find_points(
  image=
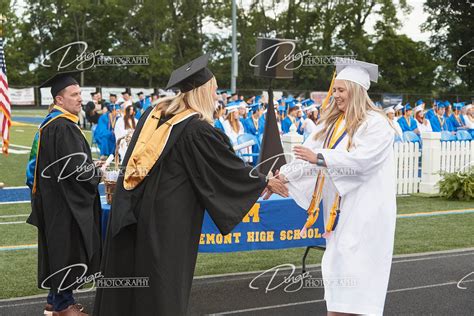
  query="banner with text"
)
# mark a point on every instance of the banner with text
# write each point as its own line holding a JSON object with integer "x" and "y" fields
{"x": 271, "y": 224}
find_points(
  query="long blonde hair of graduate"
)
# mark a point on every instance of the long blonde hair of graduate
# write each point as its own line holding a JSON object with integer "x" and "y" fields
{"x": 200, "y": 100}
{"x": 359, "y": 104}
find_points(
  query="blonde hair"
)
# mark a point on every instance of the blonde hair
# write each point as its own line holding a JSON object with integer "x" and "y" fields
{"x": 359, "y": 104}
{"x": 234, "y": 122}
{"x": 200, "y": 100}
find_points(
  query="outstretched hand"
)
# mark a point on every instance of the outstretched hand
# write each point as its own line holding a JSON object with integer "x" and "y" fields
{"x": 275, "y": 185}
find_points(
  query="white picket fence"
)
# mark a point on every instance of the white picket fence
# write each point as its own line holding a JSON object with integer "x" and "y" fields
{"x": 449, "y": 156}
{"x": 456, "y": 156}
{"x": 407, "y": 167}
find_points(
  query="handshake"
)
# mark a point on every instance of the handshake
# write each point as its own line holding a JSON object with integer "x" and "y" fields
{"x": 276, "y": 184}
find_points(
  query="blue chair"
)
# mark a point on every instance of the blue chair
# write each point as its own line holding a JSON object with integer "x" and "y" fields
{"x": 463, "y": 135}
{"x": 446, "y": 136}
{"x": 398, "y": 139}
{"x": 256, "y": 147}
{"x": 409, "y": 136}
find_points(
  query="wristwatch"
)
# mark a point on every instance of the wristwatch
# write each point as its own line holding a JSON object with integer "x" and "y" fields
{"x": 320, "y": 160}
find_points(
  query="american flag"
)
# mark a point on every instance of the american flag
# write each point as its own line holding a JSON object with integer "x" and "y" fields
{"x": 5, "y": 108}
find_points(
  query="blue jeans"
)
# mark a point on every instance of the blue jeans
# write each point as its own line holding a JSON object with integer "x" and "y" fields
{"x": 60, "y": 301}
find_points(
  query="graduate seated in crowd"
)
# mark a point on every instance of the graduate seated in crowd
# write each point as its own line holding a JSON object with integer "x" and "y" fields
{"x": 309, "y": 124}
{"x": 398, "y": 111}
{"x": 438, "y": 120}
{"x": 233, "y": 127}
{"x": 468, "y": 116}
{"x": 407, "y": 122}
{"x": 142, "y": 104}
{"x": 456, "y": 121}
{"x": 290, "y": 119}
{"x": 422, "y": 123}
{"x": 390, "y": 112}
{"x": 252, "y": 123}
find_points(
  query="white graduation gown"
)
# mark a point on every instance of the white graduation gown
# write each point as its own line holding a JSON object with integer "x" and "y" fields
{"x": 359, "y": 251}
{"x": 423, "y": 128}
{"x": 397, "y": 127}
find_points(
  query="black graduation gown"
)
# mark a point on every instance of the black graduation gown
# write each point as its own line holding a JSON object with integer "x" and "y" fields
{"x": 154, "y": 230}
{"x": 66, "y": 212}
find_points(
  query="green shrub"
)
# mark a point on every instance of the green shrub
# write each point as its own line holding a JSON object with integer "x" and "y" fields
{"x": 458, "y": 185}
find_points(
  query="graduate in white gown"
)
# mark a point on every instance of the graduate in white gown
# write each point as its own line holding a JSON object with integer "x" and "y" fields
{"x": 353, "y": 144}
{"x": 390, "y": 112}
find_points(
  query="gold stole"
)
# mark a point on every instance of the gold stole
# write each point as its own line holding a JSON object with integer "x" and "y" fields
{"x": 255, "y": 123}
{"x": 335, "y": 134}
{"x": 149, "y": 146}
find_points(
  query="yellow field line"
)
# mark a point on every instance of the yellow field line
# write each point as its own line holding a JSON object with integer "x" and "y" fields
{"x": 22, "y": 124}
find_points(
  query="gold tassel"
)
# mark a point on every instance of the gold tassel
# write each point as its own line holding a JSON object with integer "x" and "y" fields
{"x": 328, "y": 96}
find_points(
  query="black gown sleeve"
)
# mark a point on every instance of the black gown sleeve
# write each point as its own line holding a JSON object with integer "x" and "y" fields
{"x": 225, "y": 185}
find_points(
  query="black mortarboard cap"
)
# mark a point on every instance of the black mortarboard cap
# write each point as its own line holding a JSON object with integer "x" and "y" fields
{"x": 192, "y": 75}
{"x": 60, "y": 81}
{"x": 113, "y": 95}
{"x": 139, "y": 93}
{"x": 126, "y": 91}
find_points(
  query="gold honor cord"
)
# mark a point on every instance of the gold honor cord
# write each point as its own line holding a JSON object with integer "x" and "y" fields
{"x": 335, "y": 134}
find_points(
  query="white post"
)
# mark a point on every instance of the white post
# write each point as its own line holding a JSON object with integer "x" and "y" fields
{"x": 289, "y": 140}
{"x": 430, "y": 163}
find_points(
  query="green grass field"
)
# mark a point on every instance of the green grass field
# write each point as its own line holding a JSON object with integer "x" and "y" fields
{"x": 413, "y": 235}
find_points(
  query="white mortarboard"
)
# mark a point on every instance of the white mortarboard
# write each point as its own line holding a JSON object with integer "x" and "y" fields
{"x": 389, "y": 110}
{"x": 418, "y": 109}
{"x": 232, "y": 108}
{"x": 356, "y": 71}
{"x": 399, "y": 106}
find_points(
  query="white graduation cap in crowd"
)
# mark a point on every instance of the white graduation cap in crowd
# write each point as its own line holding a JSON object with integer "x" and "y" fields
{"x": 232, "y": 108}
{"x": 399, "y": 106}
{"x": 357, "y": 71}
{"x": 389, "y": 110}
{"x": 418, "y": 109}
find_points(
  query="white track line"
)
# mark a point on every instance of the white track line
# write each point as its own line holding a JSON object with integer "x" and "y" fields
{"x": 19, "y": 215}
{"x": 15, "y": 202}
{"x": 319, "y": 301}
{"x": 12, "y": 223}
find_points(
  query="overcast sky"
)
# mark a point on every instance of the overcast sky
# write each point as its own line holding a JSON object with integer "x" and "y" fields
{"x": 410, "y": 23}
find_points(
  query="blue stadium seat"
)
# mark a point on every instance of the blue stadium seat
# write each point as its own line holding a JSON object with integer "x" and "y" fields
{"x": 463, "y": 135}
{"x": 446, "y": 136}
{"x": 249, "y": 137}
{"x": 409, "y": 136}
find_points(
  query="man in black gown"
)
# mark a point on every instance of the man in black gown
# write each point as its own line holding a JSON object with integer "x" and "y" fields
{"x": 154, "y": 228}
{"x": 65, "y": 200}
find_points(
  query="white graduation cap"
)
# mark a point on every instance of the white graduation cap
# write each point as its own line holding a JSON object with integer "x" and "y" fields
{"x": 357, "y": 71}
{"x": 232, "y": 108}
{"x": 418, "y": 109}
{"x": 389, "y": 110}
{"x": 243, "y": 104}
{"x": 399, "y": 106}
